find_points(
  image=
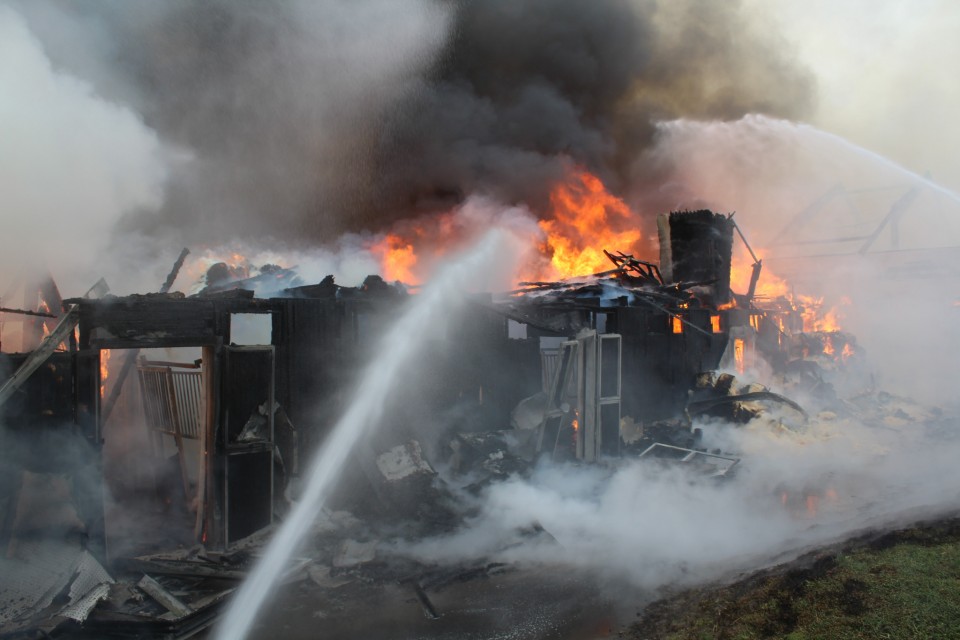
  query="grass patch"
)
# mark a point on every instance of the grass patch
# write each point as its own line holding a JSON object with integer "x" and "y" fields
{"x": 904, "y": 584}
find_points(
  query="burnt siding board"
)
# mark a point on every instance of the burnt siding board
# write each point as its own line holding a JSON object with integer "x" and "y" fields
{"x": 159, "y": 321}
{"x": 47, "y": 395}
{"x": 248, "y": 500}
{"x": 51, "y": 427}
{"x": 64, "y": 391}
{"x": 85, "y": 374}
{"x": 659, "y": 367}
{"x": 308, "y": 354}
{"x": 128, "y": 323}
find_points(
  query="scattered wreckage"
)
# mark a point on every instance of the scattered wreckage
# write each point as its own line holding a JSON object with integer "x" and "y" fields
{"x": 617, "y": 364}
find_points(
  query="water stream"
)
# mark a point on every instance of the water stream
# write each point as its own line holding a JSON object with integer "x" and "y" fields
{"x": 882, "y": 160}
{"x": 436, "y": 301}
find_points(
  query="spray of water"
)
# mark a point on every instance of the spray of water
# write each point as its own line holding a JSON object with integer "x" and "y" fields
{"x": 401, "y": 344}
{"x": 881, "y": 160}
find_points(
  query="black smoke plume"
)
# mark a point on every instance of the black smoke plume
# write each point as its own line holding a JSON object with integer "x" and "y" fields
{"x": 302, "y": 120}
{"x": 523, "y": 89}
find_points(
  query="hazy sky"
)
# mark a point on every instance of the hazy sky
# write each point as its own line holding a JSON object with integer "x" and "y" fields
{"x": 886, "y": 74}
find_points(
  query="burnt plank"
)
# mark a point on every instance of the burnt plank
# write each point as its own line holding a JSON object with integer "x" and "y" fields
{"x": 160, "y": 320}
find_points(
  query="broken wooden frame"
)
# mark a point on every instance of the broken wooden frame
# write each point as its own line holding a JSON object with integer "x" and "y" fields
{"x": 713, "y": 464}
{"x": 584, "y": 396}
{"x": 235, "y": 482}
{"x": 172, "y": 397}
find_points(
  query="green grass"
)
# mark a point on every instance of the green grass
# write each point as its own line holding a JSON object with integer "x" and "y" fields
{"x": 905, "y": 585}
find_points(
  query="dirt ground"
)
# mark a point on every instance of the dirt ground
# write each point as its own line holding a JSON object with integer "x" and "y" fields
{"x": 528, "y": 603}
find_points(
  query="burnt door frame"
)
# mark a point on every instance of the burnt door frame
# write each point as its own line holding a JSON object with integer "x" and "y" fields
{"x": 245, "y": 466}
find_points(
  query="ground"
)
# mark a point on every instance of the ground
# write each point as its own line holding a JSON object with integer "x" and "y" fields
{"x": 882, "y": 585}
{"x": 511, "y": 603}
{"x": 901, "y": 584}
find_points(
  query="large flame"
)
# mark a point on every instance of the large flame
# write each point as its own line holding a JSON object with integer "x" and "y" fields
{"x": 817, "y": 315}
{"x": 586, "y": 219}
{"x": 815, "y": 318}
{"x": 583, "y": 220}
{"x": 770, "y": 286}
{"x": 398, "y": 258}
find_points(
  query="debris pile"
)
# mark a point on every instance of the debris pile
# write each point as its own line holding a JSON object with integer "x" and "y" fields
{"x": 625, "y": 363}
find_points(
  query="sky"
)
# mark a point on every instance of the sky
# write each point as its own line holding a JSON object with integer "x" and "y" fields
{"x": 885, "y": 74}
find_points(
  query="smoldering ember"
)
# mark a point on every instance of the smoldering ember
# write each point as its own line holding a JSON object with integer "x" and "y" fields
{"x": 467, "y": 343}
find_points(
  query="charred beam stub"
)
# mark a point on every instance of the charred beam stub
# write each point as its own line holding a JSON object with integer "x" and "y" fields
{"x": 697, "y": 246}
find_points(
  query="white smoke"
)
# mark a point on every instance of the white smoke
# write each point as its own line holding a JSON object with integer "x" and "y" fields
{"x": 884, "y": 79}
{"x": 658, "y": 525}
{"x": 354, "y": 256}
{"x": 272, "y": 110}
{"x": 71, "y": 163}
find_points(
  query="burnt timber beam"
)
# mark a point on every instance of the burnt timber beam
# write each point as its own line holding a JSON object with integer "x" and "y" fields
{"x": 160, "y": 320}
{"x": 892, "y": 218}
{"x": 25, "y": 312}
{"x": 131, "y": 356}
{"x": 39, "y": 355}
{"x": 169, "y": 601}
{"x": 810, "y": 212}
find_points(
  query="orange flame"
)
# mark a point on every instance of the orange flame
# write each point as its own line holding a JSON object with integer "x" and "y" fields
{"x": 828, "y": 347}
{"x": 583, "y": 220}
{"x": 105, "y": 355}
{"x": 847, "y": 352}
{"x": 769, "y": 286}
{"x": 397, "y": 259}
{"x": 676, "y": 324}
{"x": 586, "y": 219}
{"x": 815, "y": 319}
{"x": 739, "y": 355}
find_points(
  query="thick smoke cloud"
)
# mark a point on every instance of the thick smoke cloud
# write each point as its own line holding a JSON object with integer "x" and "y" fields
{"x": 303, "y": 120}
{"x": 72, "y": 163}
{"x": 276, "y": 104}
{"x": 662, "y": 526}
{"x": 524, "y": 89}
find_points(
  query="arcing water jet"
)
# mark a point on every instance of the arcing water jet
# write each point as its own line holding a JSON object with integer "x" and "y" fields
{"x": 364, "y": 412}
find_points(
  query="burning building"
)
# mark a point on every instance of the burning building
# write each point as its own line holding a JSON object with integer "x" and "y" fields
{"x": 605, "y": 349}
{"x": 586, "y": 368}
{"x": 585, "y": 354}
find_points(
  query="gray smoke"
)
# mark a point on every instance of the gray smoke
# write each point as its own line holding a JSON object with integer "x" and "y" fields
{"x": 525, "y": 89}
{"x": 272, "y": 106}
{"x": 299, "y": 120}
{"x": 662, "y": 525}
{"x": 71, "y": 163}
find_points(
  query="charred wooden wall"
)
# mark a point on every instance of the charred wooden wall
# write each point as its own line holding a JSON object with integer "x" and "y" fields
{"x": 660, "y": 366}
{"x": 50, "y": 427}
